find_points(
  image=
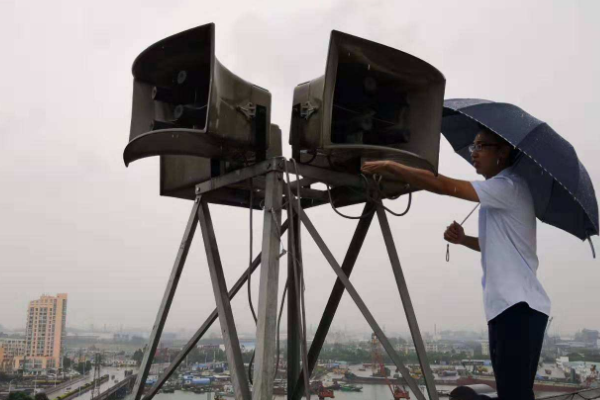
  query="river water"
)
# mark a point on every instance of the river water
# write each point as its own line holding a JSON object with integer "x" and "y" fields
{"x": 370, "y": 392}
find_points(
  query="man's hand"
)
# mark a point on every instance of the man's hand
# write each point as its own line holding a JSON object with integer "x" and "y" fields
{"x": 374, "y": 167}
{"x": 455, "y": 234}
{"x": 379, "y": 168}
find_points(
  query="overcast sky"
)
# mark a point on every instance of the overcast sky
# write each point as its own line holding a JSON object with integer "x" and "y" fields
{"x": 73, "y": 219}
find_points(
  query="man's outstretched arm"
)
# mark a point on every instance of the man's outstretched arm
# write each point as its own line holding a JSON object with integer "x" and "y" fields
{"x": 422, "y": 179}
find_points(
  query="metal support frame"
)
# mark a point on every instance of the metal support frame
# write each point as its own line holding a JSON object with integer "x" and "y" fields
{"x": 412, "y": 384}
{"x": 268, "y": 178}
{"x": 407, "y": 303}
{"x": 269, "y": 282}
{"x": 228, "y": 330}
{"x": 165, "y": 305}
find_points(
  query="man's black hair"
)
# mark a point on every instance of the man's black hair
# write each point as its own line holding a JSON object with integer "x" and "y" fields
{"x": 514, "y": 152}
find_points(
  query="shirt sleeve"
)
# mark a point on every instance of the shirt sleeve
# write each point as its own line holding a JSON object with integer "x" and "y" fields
{"x": 497, "y": 192}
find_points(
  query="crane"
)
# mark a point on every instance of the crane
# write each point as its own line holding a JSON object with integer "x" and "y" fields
{"x": 397, "y": 392}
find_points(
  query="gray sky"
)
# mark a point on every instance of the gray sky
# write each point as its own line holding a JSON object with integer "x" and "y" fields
{"x": 73, "y": 219}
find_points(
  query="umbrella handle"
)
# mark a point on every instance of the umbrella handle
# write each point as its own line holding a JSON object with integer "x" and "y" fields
{"x": 461, "y": 224}
{"x": 592, "y": 247}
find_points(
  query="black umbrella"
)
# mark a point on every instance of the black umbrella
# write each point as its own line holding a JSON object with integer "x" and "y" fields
{"x": 562, "y": 191}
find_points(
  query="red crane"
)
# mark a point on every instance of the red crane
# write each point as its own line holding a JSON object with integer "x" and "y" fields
{"x": 397, "y": 392}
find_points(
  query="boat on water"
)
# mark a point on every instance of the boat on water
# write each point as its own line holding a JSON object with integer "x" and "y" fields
{"x": 349, "y": 377}
{"x": 348, "y": 387}
{"x": 400, "y": 393}
{"x": 538, "y": 386}
{"x": 447, "y": 373}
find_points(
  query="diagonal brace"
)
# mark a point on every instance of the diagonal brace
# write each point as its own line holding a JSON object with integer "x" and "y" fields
{"x": 407, "y": 303}
{"x": 228, "y": 330}
{"x": 336, "y": 296}
{"x": 205, "y": 326}
{"x": 412, "y": 384}
{"x": 165, "y": 305}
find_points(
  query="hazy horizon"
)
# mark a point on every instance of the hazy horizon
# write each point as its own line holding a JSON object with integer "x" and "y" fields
{"x": 75, "y": 220}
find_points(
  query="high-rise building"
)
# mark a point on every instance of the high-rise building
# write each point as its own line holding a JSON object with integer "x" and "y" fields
{"x": 44, "y": 335}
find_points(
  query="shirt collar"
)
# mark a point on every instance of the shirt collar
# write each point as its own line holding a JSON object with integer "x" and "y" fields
{"x": 505, "y": 172}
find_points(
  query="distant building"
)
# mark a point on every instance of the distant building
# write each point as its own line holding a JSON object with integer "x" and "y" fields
{"x": 485, "y": 348}
{"x": 589, "y": 337}
{"x": 44, "y": 335}
{"x": 462, "y": 348}
{"x": 121, "y": 337}
{"x": 431, "y": 347}
{"x": 10, "y": 347}
{"x": 408, "y": 348}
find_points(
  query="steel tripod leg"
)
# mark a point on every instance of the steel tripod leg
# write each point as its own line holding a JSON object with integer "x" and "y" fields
{"x": 228, "y": 330}
{"x": 165, "y": 305}
{"x": 205, "y": 326}
{"x": 293, "y": 311}
{"x": 361, "y": 306}
{"x": 336, "y": 296}
{"x": 266, "y": 329}
{"x": 407, "y": 303}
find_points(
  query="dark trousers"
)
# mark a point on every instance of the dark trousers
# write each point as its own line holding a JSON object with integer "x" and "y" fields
{"x": 516, "y": 337}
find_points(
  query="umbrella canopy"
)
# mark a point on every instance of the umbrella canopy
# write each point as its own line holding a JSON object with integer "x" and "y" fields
{"x": 562, "y": 191}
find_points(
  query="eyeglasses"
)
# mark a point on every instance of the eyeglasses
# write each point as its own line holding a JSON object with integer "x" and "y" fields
{"x": 479, "y": 146}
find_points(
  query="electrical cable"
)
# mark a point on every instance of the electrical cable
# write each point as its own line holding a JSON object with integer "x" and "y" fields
{"x": 279, "y": 326}
{"x": 309, "y": 161}
{"x": 379, "y": 199}
{"x": 398, "y": 214}
{"x": 351, "y": 216}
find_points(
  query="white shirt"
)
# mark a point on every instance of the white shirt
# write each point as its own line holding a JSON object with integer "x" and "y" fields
{"x": 507, "y": 238}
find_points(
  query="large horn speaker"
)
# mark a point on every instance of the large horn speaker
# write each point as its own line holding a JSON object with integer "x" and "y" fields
{"x": 373, "y": 102}
{"x": 185, "y": 103}
{"x": 179, "y": 175}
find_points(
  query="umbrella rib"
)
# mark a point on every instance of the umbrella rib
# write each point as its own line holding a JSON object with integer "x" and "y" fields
{"x": 535, "y": 161}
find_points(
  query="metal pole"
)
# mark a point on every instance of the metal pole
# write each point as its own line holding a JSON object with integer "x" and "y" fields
{"x": 165, "y": 305}
{"x": 361, "y": 305}
{"x": 293, "y": 311}
{"x": 205, "y": 326}
{"x": 335, "y": 297}
{"x": 407, "y": 303}
{"x": 228, "y": 330}
{"x": 267, "y": 299}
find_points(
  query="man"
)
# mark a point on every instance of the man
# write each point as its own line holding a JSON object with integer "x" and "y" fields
{"x": 515, "y": 303}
